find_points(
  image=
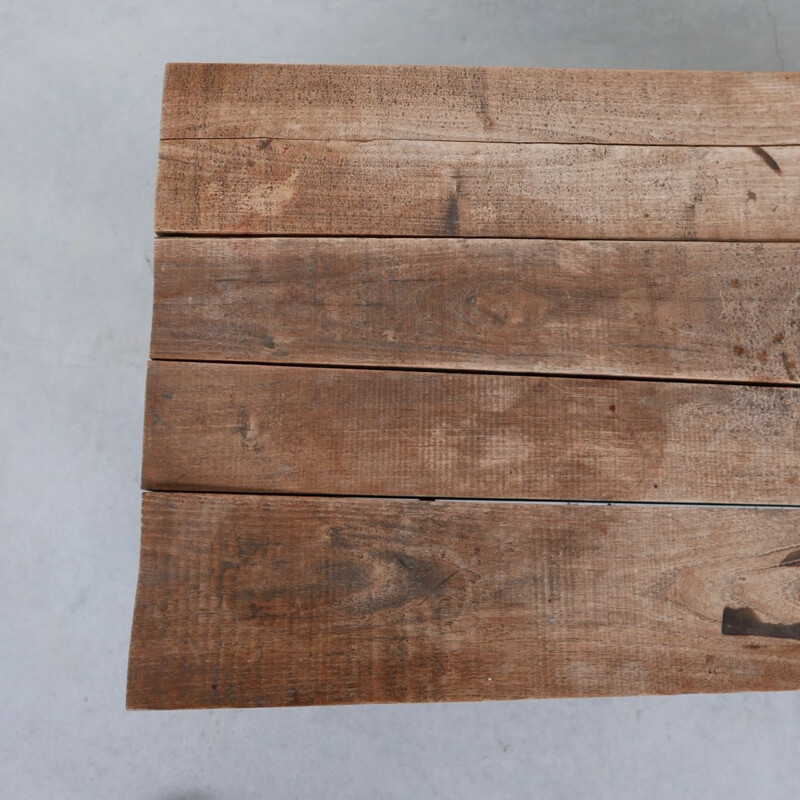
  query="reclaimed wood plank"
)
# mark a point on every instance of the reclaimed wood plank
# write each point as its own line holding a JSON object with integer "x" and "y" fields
{"x": 480, "y": 104}
{"x": 254, "y": 601}
{"x": 263, "y": 599}
{"x": 701, "y": 311}
{"x": 228, "y": 427}
{"x": 414, "y": 188}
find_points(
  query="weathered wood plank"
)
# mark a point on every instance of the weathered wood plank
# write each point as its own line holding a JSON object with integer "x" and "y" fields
{"x": 248, "y": 601}
{"x": 226, "y": 427}
{"x": 408, "y": 188}
{"x": 708, "y": 311}
{"x": 480, "y": 104}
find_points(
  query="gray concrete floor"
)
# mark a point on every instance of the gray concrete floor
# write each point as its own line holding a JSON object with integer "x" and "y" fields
{"x": 80, "y": 87}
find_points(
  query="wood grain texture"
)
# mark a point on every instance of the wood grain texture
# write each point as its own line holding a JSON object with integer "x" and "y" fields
{"x": 708, "y": 311}
{"x": 224, "y": 427}
{"x": 248, "y": 601}
{"x": 610, "y": 224}
{"x": 414, "y": 188}
{"x": 480, "y": 104}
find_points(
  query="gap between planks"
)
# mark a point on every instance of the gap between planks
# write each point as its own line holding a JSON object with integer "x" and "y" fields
{"x": 507, "y": 501}
{"x": 508, "y": 373}
{"x": 218, "y": 235}
{"x": 755, "y": 146}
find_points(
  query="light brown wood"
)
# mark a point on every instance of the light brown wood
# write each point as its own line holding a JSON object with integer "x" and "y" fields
{"x": 710, "y": 311}
{"x": 247, "y": 601}
{"x": 225, "y": 427}
{"x": 411, "y": 188}
{"x": 480, "y": 104}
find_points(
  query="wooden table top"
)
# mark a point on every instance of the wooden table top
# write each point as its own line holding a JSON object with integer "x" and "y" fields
{"x": 471, "y": 384}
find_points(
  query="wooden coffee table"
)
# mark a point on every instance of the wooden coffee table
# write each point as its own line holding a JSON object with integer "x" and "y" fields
{"x": 471, "y": 384}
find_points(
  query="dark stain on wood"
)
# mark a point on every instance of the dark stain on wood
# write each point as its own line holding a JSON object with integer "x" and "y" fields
{"x": 745, "y": 622}
{"x": 351, "y": 585}
{"x": 768, "y": 159}
{"x": 246, "y": 428}
{"x": 788, "y": 365}
{"x": 451, "y": 219}
{"x": 791, "y": 560}
{"x": 482, "y": 93}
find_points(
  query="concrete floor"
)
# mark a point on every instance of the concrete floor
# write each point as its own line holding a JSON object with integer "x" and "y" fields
{"x": 80, "y": 87}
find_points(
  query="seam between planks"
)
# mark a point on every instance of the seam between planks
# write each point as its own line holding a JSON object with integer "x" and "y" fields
{"x": 456, "y": 371}
{"x": 167, "y": 234}
{"x": 372, "y": 139}
{"x": 500, "y": 500}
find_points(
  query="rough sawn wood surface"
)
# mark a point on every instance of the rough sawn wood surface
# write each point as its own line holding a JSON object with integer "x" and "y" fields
{"x": 471, "y": 384}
